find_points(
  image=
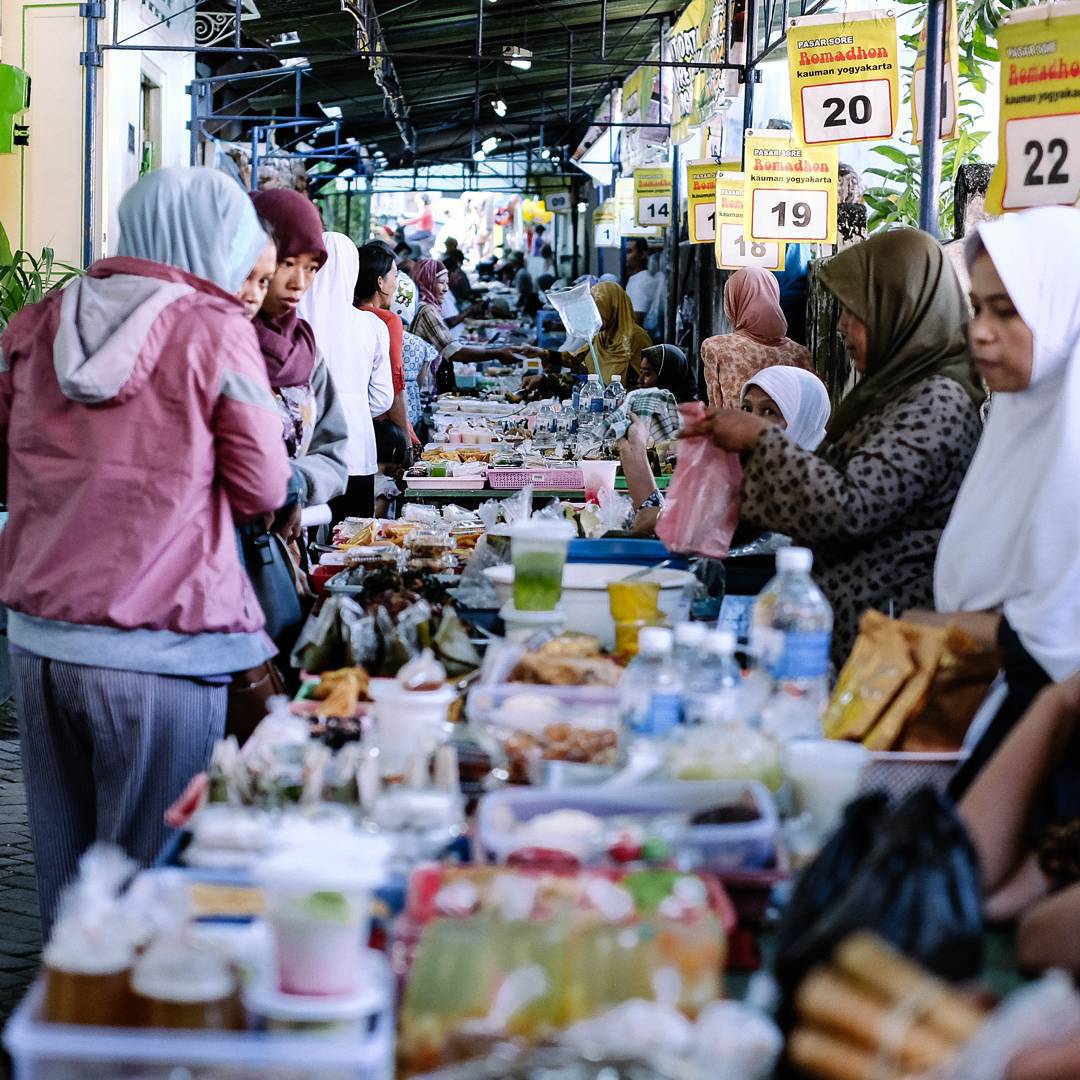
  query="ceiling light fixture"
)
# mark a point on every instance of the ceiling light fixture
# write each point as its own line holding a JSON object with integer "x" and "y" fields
{"x": 517, "y": 57}
{"x": 479, "y": 155}
{"x": 499, "y": 107}
{"x": 582, "y": 207}
{"x": 295, "y": 62}
{"x": 489, "y": 143}
{"x": 545, "y": 153}
{"x": 290, "y": 38}
{"x": 331, "y": 112}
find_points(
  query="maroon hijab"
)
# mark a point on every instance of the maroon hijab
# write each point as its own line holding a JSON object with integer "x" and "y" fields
{"x": 288, "y": 342}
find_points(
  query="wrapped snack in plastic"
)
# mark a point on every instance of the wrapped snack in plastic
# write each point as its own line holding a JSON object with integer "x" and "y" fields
{"x": 734, "y": 1042}
{"x": 224, "y": 760}
{"x": 421, "y": 515}
{"x": 475, "y": 589}
{"x": 1039, "y": 1014}
{"x": 341, "y": 776}
{"x": 635, "y": 1029}
{"x": 454, "y": 647}
{"x": 423, "y": 673}
{"x": 403, "y": 640}
{"x": 518, "y": 507}
{"x": 316, "y": 759}
{"x": 92, "y": 946}
{"x": 322, "y": 645}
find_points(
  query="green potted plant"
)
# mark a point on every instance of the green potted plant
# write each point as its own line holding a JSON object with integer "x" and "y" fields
{"x": 26, "y": 279}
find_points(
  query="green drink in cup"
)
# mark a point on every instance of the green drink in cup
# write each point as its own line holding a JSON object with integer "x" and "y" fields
{"x": 538, "y": 552}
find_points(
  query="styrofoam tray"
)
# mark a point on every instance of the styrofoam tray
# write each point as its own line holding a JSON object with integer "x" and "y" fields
{"x": 743, "y": 846}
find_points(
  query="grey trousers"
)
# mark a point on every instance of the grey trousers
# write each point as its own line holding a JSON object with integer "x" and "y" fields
{"x": 105, "y": 752}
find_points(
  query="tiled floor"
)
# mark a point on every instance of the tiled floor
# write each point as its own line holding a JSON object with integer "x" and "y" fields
{"x": 20, "y": 939}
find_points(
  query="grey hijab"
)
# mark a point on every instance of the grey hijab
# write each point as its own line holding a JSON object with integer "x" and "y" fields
{"x": 197, "y": 219}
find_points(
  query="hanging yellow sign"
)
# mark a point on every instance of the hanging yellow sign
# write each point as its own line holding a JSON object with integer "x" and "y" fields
{"x": 627, "y": 210}
{"x": 683, "y": 46}
{"x": 845, "y": 77}
{"x": 652, "y": 197}
{"x": 606, "y": 224}
{"x": 790, "y": 190}
{"x": 950, "y": 98}
{"x": 701, "y": 201}
{"x": 733, "y": 250}
{"x": 1039, "y": 142}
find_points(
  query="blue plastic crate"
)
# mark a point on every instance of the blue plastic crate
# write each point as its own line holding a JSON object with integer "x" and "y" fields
{"x": 620, "y": 550}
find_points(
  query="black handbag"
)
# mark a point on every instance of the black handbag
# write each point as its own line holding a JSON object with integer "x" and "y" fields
{"x": 270, "y": 570}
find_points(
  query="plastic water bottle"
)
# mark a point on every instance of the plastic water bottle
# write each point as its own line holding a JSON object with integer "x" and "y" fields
{"x": 565, "y": 424}
{"x": 544, "y": 430}
{"x": 614, "y": 395}
{"x": 712, "y": 691}
{"x": 591, "y": 409}
{"x": 651, "y": 689}
{"x": 790, "y": 634}
{"x": 689, "y": 651}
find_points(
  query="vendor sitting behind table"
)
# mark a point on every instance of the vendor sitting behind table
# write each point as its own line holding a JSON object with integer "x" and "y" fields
{"x": 666, "y": 381}
{"x": 618, "y": 344}
{"x": 792, "y": 400}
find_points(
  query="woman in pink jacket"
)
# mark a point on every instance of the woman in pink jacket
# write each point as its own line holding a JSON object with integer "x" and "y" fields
{"x": 138, "y": 424}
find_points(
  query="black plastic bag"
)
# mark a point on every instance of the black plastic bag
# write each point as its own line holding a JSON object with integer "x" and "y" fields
{"x": 916, "y": 884}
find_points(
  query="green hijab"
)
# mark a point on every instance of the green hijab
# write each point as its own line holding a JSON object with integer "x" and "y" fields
{"x": 901, "y": 285}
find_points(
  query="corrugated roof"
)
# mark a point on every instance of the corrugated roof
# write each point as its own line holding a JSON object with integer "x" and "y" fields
{"x": 432, "y": 45}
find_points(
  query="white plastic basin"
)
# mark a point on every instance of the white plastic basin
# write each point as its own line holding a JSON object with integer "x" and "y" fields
{"x": 585, "y": 597}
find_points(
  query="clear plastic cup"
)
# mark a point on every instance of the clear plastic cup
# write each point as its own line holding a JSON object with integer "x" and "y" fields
{"x": 538, "y": 552}
{"x": 824, "y": 775}
{"x": 599, "y": 476}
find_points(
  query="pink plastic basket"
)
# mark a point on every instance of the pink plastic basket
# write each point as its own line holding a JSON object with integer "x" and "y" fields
{"x": 563, "y": 479}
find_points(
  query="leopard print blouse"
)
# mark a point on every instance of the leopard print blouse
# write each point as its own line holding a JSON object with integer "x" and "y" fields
{"x": 873, "y": 506}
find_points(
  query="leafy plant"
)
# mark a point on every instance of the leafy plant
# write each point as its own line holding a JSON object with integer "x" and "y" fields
{"x": 25, "y": 280}
{"x": 895, "y": 200}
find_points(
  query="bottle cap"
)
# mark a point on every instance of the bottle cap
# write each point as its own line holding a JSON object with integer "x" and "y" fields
{"x": 794, "y": 560}
{"x": 655, "y": 640}
{"x": 722, "y": 641}
{"x": 594, "y": 378}
{"x": 690, "y": 633}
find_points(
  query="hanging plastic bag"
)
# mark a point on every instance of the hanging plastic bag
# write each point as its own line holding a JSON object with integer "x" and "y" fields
{"x": 911, "y": 877}
{"x": 578, "y": 311}
{"x": 701, "y": 509}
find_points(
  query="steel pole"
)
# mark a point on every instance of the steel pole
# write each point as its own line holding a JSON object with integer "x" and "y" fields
{"x": 673, "y": 248}
{"x": 929, "y": 200}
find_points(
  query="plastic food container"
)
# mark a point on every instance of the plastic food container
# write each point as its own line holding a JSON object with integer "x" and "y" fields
{"x": 39, "y": 1050}
{"x": 584, "y": 594}
{"x": 743, "y": 846}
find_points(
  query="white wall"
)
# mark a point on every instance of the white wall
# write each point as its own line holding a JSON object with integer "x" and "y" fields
{"x": 121, "y": 99}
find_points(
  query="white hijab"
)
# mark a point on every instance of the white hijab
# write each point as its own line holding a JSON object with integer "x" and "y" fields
{"x": 1013, "y": 540}
{"x": 355, "y": 345}
{"x": 802, "y": 399}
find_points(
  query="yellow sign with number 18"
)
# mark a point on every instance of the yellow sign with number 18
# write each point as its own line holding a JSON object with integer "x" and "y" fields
{"x": 1039, "y": 143}
{"x": 733, "y": 250}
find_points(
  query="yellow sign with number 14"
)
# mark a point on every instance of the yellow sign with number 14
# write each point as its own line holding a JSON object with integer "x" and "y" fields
{"x": 733, "y": 250}
{"x": 1039, "y": 143}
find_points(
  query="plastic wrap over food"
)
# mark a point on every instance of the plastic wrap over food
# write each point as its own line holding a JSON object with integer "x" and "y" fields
{"x": 1042, "y": 1013}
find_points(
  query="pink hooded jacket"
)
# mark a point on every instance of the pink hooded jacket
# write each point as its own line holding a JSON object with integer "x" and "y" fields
{"x": 138, "y": 422}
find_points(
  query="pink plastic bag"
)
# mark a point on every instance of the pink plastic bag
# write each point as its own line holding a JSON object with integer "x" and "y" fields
{"x": 701, "y": 509}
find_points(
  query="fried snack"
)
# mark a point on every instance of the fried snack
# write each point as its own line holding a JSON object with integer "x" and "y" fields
{"x": 340, "y": 691}
{"x": 868, "y": 960}
{"x": 964, "y": 675}
{"x": 458, "y": 456}
{"x": 397, "y": 531}
{"x": 827, "y": 1056}
{"x": 879, "y": 666}
{"x": 927, "y": 646}
{"x": 542, "y": 670}
{"x": 209, "y": 900}
{"x": 571, "y": 645}
{"x": 364, "y": 537}
{"x": 826, "y": 1000}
